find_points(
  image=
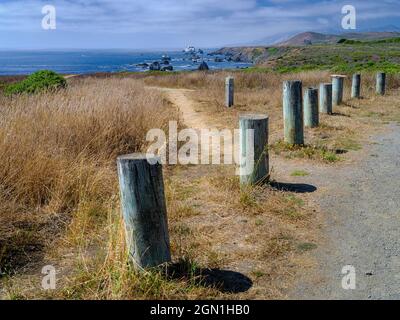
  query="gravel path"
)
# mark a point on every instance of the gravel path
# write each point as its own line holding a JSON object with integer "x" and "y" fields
{"x": 361, "y": 205}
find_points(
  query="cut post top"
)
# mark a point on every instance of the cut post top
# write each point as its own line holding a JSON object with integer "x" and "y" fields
{"x": 253, "y": 116}
{"x": 338, "y": 76}
{"x": 229, "y": 81}
{"x": 326, "y": 84}
{"x": 381, "y": 75}
{"x": 312, "y": 89}
{"x": 292, "y": 82}
{"x": 139, "y": 157}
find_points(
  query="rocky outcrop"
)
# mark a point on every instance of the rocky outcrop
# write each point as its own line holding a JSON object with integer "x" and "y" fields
{"x": 155, "y": 66}
{"x": 167, "y": 68}
{"x": 248, "y": 54}
{"x": 203, "y": 66}
{"x": 241, "y": 54}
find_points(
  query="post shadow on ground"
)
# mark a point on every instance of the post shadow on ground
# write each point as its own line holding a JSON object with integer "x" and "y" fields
{"x": 352, "y": 105}
{"x": 226, "y": 281}
{"x": 293, "y": 187}
{"x": 340, "y": 114}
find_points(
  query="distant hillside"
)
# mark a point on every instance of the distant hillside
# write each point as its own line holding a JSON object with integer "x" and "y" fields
{"x": 341, "y": 53}
{"x": 259, "y": 54}
{"x": 309, "y": 38}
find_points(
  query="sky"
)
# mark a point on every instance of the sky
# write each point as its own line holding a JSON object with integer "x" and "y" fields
{"x": 175, "y": 24}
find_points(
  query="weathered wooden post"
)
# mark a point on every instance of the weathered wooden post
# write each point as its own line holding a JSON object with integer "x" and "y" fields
{"x": 254, "y": 158}
{"x": 311, "y": 115}
{"x": 381, "y": 83}
{"x": 293, "y": 112}
{"x": 229, "y": 92}
{"x": 144, "y": 210}
{"x": 356, "y": 86}
{"x": 325, "y": 98}
{"x": 337, "y": 89}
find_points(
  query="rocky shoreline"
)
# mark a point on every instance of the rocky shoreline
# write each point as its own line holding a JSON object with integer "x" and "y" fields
{"x": 253, "y": 55}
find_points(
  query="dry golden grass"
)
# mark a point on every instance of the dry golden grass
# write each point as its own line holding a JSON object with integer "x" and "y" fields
{"x": 59, "y": 200}
{"x": 58, "y": 172}
{"x": 255, "y": 231}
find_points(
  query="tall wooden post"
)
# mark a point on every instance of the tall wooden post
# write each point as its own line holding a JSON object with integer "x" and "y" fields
{"x": 381, "y": 83}
{"x": 254, "y": 166}
{"x": 144, "y": 210}
{"x": 311, "y": 115}
{"x": 356, "y": 86}
{"x": 325, "y": 98}
{"x": 337, "y": 89}
{"x": 293, "y": 112}
{"x": 229, "y": 92}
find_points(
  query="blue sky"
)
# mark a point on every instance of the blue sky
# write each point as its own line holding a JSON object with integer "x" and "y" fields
{"x": 150, "y": 24}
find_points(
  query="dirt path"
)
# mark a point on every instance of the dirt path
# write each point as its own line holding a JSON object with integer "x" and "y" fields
{"x": 194, "y": 119}
{"x": 361, "y": 205}
{"x": 71, "y": 76}
{"x": 190, "y": 116}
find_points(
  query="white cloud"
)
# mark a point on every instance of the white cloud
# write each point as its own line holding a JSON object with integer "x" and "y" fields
{"x": 230, "y": 21}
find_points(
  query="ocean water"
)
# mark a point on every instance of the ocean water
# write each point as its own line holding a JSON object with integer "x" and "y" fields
{"x": 90, "y": 61}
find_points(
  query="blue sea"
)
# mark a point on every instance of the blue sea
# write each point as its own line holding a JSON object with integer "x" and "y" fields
{"x": 91, "y": 61}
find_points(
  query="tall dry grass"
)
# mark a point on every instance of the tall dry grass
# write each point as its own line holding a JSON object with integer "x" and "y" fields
{"x": 59, "y": 199}
{"x": 256, "y": 79}
{"x": 60, "y": 205}
{"x": 58, "y": 153}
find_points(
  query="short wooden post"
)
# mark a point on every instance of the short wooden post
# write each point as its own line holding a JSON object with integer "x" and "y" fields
{"x": 356, "y": 86}
{"x": 229, "y": 92}
{"x": 381, "y": 83}
{"x": 254, "y": 166}
{"x": 293, "y": 112}
{"x": 311, "y": 115}
{"x": 337, "y": 89}
{"x": 144, "y": 210}
{"x": 325, "y": 98}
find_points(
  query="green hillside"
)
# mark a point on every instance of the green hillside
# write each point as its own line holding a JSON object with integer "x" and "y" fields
{"x": 346, "y": 55}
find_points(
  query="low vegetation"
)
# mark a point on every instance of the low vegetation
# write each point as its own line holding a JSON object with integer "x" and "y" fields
{"x": 299, "y": 173}
{"x": 305, "y": 151}
{"x": 44, "y": 80}
{"x": 347, "y": 57}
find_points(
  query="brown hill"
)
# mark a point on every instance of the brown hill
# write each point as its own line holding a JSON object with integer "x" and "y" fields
{"x": 308, "y": 38}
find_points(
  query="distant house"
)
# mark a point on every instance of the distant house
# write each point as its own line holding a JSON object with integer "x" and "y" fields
{"x": 190, "y": 49}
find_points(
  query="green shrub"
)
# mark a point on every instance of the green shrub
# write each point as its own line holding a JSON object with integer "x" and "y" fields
{"x": 273, "y": 51}
{"x": 349, "y": 41}
{"x": 36, "y": 82}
